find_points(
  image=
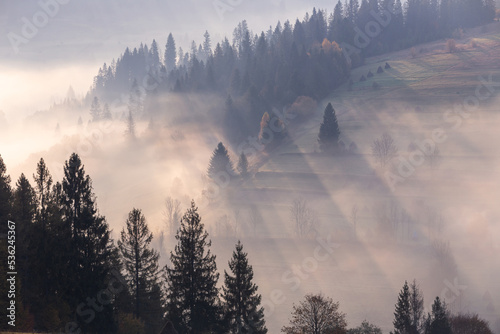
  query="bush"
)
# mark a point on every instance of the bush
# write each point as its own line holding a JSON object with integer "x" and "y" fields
{"x": 362, "y": 78}
{"x": 387, "y": 66}
{"x": 469, "y": 323}
{"x": 380, "y": 70}
{"x": 473, "y": 43}
{"x": 370, "y": 74}
{"x": 304, "y": 106}
{"x": 375, "y": 85}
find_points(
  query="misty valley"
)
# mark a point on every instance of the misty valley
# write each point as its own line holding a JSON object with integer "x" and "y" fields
{"x": 300, "y": 167}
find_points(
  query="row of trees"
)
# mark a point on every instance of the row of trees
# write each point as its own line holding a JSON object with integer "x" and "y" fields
{"x": 72, "y": 275}
{"x": 318, "y": 314}
{"x": 255, "y": 73}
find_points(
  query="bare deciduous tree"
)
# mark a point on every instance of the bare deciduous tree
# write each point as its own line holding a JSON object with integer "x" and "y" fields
{"x": 303, "y": 217}
{"x": 393, "y": 220}
{"x": 316, "y": 315}
{"x": 384, "y": 149}
{"x": 172, "y": 214}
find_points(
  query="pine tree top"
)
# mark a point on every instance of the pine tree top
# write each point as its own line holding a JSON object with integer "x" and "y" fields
{"x": 329, "y": 132}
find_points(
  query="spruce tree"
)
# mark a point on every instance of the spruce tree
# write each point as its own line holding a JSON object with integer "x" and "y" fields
{"x": 242, "y": 303}
{"x": 402, "y": 315}
{"x": 329, "y": 131}
{"x": 220, "y": 163}
{"x": 171, "y": 53}
{"x": 48, "y": 253}
{"x": 416, "y": 308}
{"x": 154, "y": 56}
{"x": 24, "y": 210}
{"x": 243, "y": 165}
{"x": 141, "y": 265}
{"x": 5, "y": 211}
{"x": 192, "y": 300}
{"x": 91, "y": 250}
{"x": 438, "y": 322}
{"x": 5, "y": 197}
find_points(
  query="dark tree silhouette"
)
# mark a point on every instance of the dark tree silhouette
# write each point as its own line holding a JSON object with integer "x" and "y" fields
{"x": 141, "y": 266}
{"x": 329, "y": 131}
{"x": 316, "y": 315}
{"x": 437, "y": 322}
{"x": 220, "y": 163}
{"x": 242, "y": 303}
{"x": 193, "y": 304}
{"x": 402, "y": 314}
{"x": 91, "y": 249}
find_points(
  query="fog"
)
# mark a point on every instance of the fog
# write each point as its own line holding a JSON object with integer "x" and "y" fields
{"x": 447, "y": 235}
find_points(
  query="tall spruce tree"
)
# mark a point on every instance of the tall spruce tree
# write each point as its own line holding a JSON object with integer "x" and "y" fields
{"x": 416, "y": 308}
{"x": 48, "y": 255}
{"x": 5, "y": 197}
{"x": 91, "y": 252}
{"x": 329, "y": 131}
{"x": 23, "y": 210}
{"x": 141, "y": 267}
{"x": 171, "y": 53}
{"x": 220, "y": 163}
{"x": 5, "y": 211}
{"x": 402, "y": 315}
{"x": 193, "y": 304}
{"x": 242, "y": 303}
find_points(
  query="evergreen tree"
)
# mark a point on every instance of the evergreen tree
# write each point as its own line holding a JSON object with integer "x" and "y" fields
{"x": 24, "y": 203}
{"x": 5, "y": 212}
{"x": 91, "y": 250}
{"x": 329, "y": 131}
{"x": 171, "y": 53}
{"x": 242, "y": 303}
{"x": 243, "y": 165}
{"x": 402, "y": 315}
{"x": 47, "y": 254}
{"x": 192, "y": 300}
{"x": 43, "y": 184}
{"x": 95, "y": 110}
{"x": 154, "y": 56}
{"x": 141, "y": 267}
{"x": 207, "y": 45}
{"x": 24, "y": 211}
{"x": 220, "y": 163}
{"x": 416, "y": 308}
{"x": 5, "y": 197}
{"x": 438, "y": 322}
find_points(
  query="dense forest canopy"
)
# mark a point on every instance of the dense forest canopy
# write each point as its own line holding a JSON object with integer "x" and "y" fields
{"x": 309, "y": 57}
